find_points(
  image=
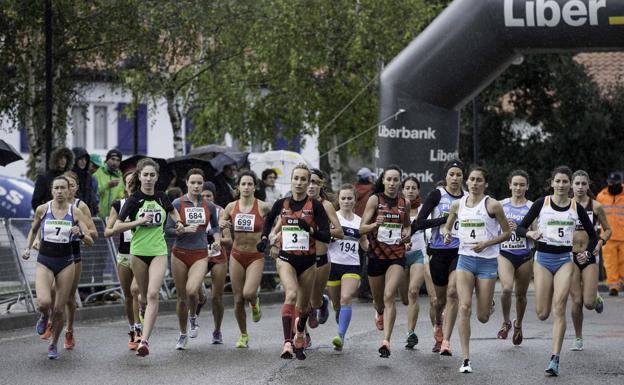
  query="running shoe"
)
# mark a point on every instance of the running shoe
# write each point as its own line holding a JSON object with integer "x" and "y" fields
{"x": 201, "y": 304}
{"x": 445, "y": 348}
{"x": 138, "y": 333}
{"x": 300, "y": 354}
{"x": 308, "y": 341}
{"x": 299, "y": 341}
{"x": 182, "y": 342}
{"x": 578, "y": 345}
{"x": 256, "y": 312}
{"x": 599, "y": 304}
{"x": 438, "y": 337}
{"x": 504, "y": 330}
{"x": 48, "y": 332}
{"x": 492, "y": 307}
{"x": 466, "y": 367}
{"x": 379, "y": 321}
{"x": 287, "y": 352}
{"x": 613, "y": 292}
{"x": 517, "y": 334}
{"x": 52, "y": 352}
{"x": 384, "y": 350}
{"x": 324, "y": 310}
{"x": 143, "y": 349}
{"x": 553, "y": 367}
{"x": 338, "y": 343}
{"x": 243, "y": 341}
{"x": 42, "y": 324}
{"x": 217, "y": 338}
{"x": 412, "y": 340}
{"x": 69, "y": 340}
{"x": 194, "y": 327}
{"x": 313, "y": 318}
{"x": 132, "y": 344}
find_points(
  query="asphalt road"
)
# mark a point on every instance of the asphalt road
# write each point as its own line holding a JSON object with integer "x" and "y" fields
{"x": 101, "y": 355}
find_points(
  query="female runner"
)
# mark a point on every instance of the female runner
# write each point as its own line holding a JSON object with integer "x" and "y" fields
{"x": 58, "y": 221}
{"x": 344, "y": 277}
{"x": 479, "y": 219}
{"x": 584, "y": 286}
{"x": 189, "y": 261}
{"x": 302, "y": 220}
{"x": 245, "y": 217}
{"x": 515, "y": 262}
{"x": 124, "y": 268}
{"x": 386, "y": 221}
{"x": 556, "y": 216}
{"x": 147, "y": 210}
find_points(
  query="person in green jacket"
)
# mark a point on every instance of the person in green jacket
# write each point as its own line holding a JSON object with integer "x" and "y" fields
{"x": 110, "y": 182}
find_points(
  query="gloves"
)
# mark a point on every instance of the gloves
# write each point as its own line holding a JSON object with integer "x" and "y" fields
{"x": 352, "y": 233}
{"x": 210, "y": 238}
{"x": 304, "y": 225}
{"x": 262, "y": 245}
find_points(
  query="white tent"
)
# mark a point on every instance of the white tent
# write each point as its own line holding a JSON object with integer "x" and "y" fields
{"x": 282, "y": 161}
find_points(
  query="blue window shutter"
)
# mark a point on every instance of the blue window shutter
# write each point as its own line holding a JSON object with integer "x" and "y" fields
{"x": 125, "y": 130}
{"x": 188, "y": 128}
{"x": 23, "y": 140}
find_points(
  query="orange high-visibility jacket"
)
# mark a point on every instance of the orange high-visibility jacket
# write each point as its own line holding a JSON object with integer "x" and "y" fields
{"x": 614, "y": 208}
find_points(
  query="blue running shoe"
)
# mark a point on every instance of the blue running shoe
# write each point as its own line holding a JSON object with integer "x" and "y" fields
{"x": 553, "y": 367}
{"x": 42, "y": 324}
{"x": 323, "y": 313}
{"x": 52, "y": 352}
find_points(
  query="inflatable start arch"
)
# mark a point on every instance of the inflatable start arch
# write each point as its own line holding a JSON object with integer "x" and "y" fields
{"x": 463, "y": 50}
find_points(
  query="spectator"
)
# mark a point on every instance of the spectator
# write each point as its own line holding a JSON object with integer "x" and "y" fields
{"x": 94, "y": 165}
{"x": 612, "y": 199}
{"x": 174, "y": 193}
{"x": 364, "y": 187}
{"x": 61, "y": 160}
{"x": 85, "y": 180}
{"x": 225, "y": 183}
{"x": 268, "y": 192}
{"x": 110, "y": 182}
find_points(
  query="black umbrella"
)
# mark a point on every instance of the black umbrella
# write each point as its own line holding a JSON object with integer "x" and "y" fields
{"x": 220, "y": 161}
{"x": 165, "y": 176}
{"x": 208, "y": 151}
{"x": 8, "y": 153}
{"x": 181, "y": 164}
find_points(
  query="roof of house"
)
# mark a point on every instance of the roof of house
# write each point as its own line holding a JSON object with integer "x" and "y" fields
{"x": 607, "y": 68}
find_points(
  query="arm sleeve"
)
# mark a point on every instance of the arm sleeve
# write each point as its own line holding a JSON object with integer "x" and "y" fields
{"x": 170, "y": 225}
{"x": 528, "y": 219}
{"x": 270, "y": 218}
{"x": 129, "y": 210}
{"x": 214, "y": 218}
{"x": 430, "y": 203}
{"x": 322, "y": 222}
{"x": 588, "y": 226}
{"x": 166, "y": 203}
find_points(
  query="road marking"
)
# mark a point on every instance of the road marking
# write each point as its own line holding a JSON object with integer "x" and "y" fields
{"x": 616, "y": 20}
{"x": 7, "y": 339}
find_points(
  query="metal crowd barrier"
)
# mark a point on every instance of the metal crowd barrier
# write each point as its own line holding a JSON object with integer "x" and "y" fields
{"x": 14, "y": 287}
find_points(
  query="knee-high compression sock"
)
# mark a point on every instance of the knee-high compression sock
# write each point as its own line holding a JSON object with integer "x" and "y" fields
{"x": 344, "y": 319}
{"x": 288, "y": 312}
{"x": 303, "y": 318}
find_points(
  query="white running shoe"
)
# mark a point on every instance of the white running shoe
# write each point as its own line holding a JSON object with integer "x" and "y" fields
{"x": 182, "y": 342}
{"x": 466, "y": 367}
{"x": 194, "y": 327}
{"x": 578, "y": 345}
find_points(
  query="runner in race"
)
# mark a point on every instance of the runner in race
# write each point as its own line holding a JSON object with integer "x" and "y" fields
{"x": 303, "y": 221}
{"x": 557, "y": 216}
{"x": 416, "y": 264}
{"x": 58, "y": 221}
{"x": 245, "y": 218}
{"x": 584, "y": 286}
{"x": 124, "y": 266}
{"x": 515, "y": 262}
{"x": 443, "y": 256}
{"x": 189, "y": 262}
{"x": 148, "y": 210}
{"x": 386, "y": 222}
{"x": 71, "y": 176}
{"x": 479, "y": 218}
{"x": 319, "y": 302}
{"x": 344, "y": 276}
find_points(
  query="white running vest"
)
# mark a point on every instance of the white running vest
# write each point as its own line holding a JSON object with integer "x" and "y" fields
{"x": 345, "y": 251}
{"x": 418, "y": 238}
{"x": 557, "y": 227}
{"x": 476, "y": 225}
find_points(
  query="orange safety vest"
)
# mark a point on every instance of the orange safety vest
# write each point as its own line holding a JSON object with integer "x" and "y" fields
{"x": 614, "y": 209}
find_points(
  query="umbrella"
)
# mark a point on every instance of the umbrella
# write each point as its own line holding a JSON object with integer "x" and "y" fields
{"x": 181, "y": 164}
{"x": 281, "y": 161}
{"x": 220, "y": 161}
{"x": 208, "y": 151}
{"x": 165, "y": 176}
{"x": 15, "y": 202}
{"x": 8, "y": 153}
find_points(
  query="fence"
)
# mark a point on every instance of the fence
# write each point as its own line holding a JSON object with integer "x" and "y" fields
{"x": 14, "y": 288}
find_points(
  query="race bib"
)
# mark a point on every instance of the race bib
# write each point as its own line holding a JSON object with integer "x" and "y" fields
{"x": 349, "y": 248}
{"x": 515, "y": 242}
{"x": 212, "y": 252}
{"x": 195, "y": 215}
{"x": 560, "y": 232}
{"x": 127, "y": 236}
{"x": 57, "y": 231}
{"x": 389, "y": 233}
{"x": 157, "y": 216}
{"x": 455, "y": 230}
{"x": 295, "y": 239}
{"x": 472, "y": 232}
{"x": 244, "y": 222}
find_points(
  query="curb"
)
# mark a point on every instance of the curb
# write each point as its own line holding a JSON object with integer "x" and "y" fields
{"x": 116, "y": 311}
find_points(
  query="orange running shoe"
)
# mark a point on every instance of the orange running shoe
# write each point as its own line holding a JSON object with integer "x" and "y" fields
{"x": 69, "y": 340}
{"x": 379, "y": 321}
{"x": 133, "y": 344}
{"x": 445, "y": 348}
{"x": 299, "y": 336}
{"x": 287, "y": 352}
{"x": 48, "y": 332}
